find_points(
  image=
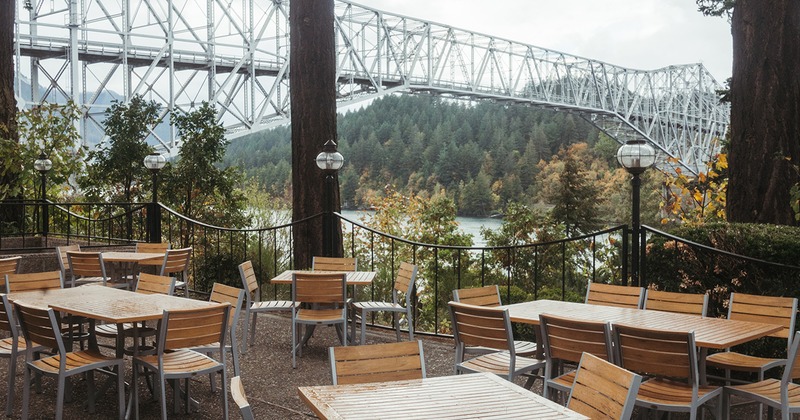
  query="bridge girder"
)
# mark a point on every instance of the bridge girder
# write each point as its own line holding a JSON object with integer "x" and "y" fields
{"x": 235, "y": 54}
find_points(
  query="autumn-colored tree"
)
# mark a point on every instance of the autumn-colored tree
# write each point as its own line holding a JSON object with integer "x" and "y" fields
{"x": 696, "y": 199}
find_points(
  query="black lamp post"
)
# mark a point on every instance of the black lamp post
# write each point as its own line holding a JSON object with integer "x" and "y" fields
{"x": 43, "y": 164}
{"x": 330, "y": 161}
{"x": 154, "y": 162}
{"x": 636, "y": 156}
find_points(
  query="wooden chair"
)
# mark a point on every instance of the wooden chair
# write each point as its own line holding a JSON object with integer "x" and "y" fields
{"x": 603, "y": 390}
{"x": 148, "y": 284}
{"x": 767, "y": 309}
{"x": 9, "y": 266}
{"x": 489, "y": 296}
{"x": 377, "y": 363}
{"x": 42, "y": 326}
{"x": 490, "y": 328}
{"x": 669, "y": 359}
{"x": 564, "y": 341}
{"x": 154, "y": 247}
{"x": 783, "y": 394}
{"x": 253, "y": 304}
{"x": 34, "y": 281}
{"x": 240, "y": 398}
{"x": 63, "y": 262}
{"x": 403, "y": 283}
{"x": 221, "y": 293}
{"x": 177, "y": 332}
{"x": 334, "y": 264}
{"x": 319, "y": 299}
{"x": 11, "y": 348}
{"x": 682, "y": 303}
{"x": 176, "y": 261}
{"x": 88, "y": 267}
{"x": 614, "y": 295}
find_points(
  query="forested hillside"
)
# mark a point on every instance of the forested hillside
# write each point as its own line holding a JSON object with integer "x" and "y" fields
{"x": 482, "y": 155}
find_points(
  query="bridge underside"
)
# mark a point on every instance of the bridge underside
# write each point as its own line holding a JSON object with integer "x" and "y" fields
{"x": 235, "y": 54}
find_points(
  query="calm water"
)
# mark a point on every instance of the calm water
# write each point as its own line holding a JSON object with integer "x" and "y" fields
{"x": 469, "y": 225}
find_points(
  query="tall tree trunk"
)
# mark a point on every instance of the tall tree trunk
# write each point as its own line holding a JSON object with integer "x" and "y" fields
{"x": 9, "y": 168}
{"x": 765, "y": 113}
{"x": 313, "y": 95}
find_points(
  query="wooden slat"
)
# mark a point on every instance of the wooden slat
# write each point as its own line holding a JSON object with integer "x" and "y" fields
{"x": 614, "y": 295}
{"x": 603, "y": 390}
{"x": 377, "y": 363}
{"x": 196, "y": 327}
{"x": 153, "y": 284}
{"x": 9, "y": 265}
{"x": 767, "y": 309}
{"x": 684, "y": 303}
{"x": 333, "y": 264}
{"x": 34, "y": 281}
{"x": 479, "y": 296}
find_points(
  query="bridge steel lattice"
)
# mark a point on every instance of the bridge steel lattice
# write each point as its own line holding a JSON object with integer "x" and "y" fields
{"x": 235, "y": 54}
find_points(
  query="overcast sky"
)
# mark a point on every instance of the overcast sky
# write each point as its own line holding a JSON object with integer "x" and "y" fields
{"x": 639, "y": 34}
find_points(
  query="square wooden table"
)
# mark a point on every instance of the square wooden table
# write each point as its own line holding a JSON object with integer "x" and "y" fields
{"x": 352, "y": 278}
{"x": 473, "y": 395}
{"x": 121, "y": 259}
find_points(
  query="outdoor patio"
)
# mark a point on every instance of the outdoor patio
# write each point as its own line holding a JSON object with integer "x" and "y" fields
{"x": 269, "y": 380}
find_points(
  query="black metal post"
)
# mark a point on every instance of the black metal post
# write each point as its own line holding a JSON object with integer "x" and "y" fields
{"x": 45, "y": 218}
{"x": 154, "y": 213}
{"x": 327, "y": 220}
{"x": 636, "y": 184}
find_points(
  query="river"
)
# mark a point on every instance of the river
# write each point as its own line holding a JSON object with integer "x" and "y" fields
{"x": 469, "y": 225}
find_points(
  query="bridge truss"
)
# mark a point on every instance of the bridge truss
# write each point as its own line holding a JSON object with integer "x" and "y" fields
{"x": 235, "y": 54}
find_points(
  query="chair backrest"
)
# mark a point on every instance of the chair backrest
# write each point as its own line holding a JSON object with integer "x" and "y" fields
{"x": 480, "y": 296}
{"x": 177, "y": 261}
{"x": 154, "y": 247}
{"x": 86, "y": 264}
{"x": 34, "y": 281}
{"x": 40, "y": 326}
{"x": 481, "y": 326}
{"x": 404, "y": 282}
{"x": 222, "y": 293}
{"x": 188, "y": 328}
{"x": 603, "y": 390}
{"x": 775, "y": 310}
{"x": 566, "y": 339}
{"x": 310, "y": 287}
{"x": 658, "y": 353}
{"x": 240, "y": 398}
{"x": 682, "y": 303}
{"x": 614, "y": 295}
{"x": 9, "y": 265}
{"x": 7, "y": 322}
{"x": 792, "y": 370}
{"x": 377, "y": 362}
{"x": 334, "y": 264}
{"x": 153, "y": 284}
{"x": 61, "y": 254}
{"x": 250, "y": 282}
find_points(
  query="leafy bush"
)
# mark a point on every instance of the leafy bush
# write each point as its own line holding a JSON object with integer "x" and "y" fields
{"x": 678, "y": 266}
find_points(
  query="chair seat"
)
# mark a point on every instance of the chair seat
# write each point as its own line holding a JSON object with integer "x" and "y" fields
{"x": 769, "y": 391}
{"x": 319, "y": 315}
{"x": 182, "y": 362}
{"x": 522, "y": 348}
{"x": 742, "y": 362}
{"x": 379, "y": 306}
{"x": 271, "y": 305}
{"x": 110, "y": 330}
{"x": 499, "y": 362}
{"x": 7, "y": 343}
{"x": 85, "y": 360}
{"x": 563, "y": 382}
{"x": 88, "y": 280}
{"x": 667, "y": 393}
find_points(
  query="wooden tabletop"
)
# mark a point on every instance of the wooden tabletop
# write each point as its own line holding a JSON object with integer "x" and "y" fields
{"x": 143, "y": 258}
{"x": 354, "y": 278}
{"x": 474, "y": 395}
{"x": 713, "y": 333}
{"x": 106, "y": 303}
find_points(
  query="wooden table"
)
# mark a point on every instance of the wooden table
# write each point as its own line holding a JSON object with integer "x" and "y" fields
{"x": 121, "y": 259}
{"x": 709, "y": 333}
{"x": 353, "y": 278}
{"x": 474, "y": 395}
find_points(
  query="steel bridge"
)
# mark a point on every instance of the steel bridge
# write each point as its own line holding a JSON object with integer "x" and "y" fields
{"x": 235, "y": 54}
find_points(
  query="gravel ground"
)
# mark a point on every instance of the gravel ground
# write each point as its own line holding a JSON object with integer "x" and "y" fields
{"x": 267, "y": 374}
